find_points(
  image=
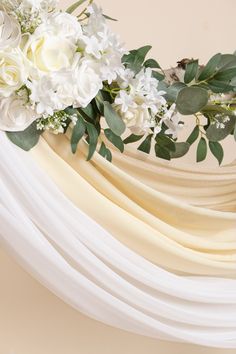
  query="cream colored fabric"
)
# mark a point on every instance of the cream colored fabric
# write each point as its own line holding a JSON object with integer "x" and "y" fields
{"x": 164, "y": 229}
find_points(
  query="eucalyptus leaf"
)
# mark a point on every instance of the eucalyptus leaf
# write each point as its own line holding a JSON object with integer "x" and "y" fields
{"x": 191, "y": 71}
{"x": 210, "y": 68}
{"x": 77, "y": 133}
{"x": 218, "y": 86}
{"x": 158, "y": 76}
{"x": 201, "y": 150}
{"x": 194, "y": 135}
{"x": 181, "y": 149}
{"x": 74, "y": 6}
{"x": 145, "y": 146}
{"x": 215, "y": 133}
{"x": 151, "y": 63}
{"x": 27, "y": 138}
{"x": 226, "y": 75}
{"x": 217, "y": 150}
{"x": 191, "y": 100}
{"x": 132, "y": 138}
{"x": 114, "y": 139}
{"x": 162, "y": 152}
{"x": 227, "y": 61}
{"x": 114, "y": 121}
{"x": 92, "y": 139}
{"x": 173, "y": 91}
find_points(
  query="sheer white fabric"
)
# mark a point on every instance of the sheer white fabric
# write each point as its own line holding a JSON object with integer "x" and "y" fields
{"x": 89, "y": 269}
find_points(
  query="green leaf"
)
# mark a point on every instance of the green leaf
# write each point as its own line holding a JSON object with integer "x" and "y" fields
{"x": 135, "y": 58}
{"x": 191, "y": 100}
{"x": 201, "y": 150}
{"x": 191, "y": 71}
{"x": 151, "y": 63}
{"x": 27, "y": 138}
{"x": 216, "y": 150}
{"x": 194, "y": 135}
{"x": 109, "y": 18}
{"x": 162, "y": 152}
{"x": 92, "y": 139}
{"x": 105, "y": 152}
{"x": 158, "y": 76}
{"x": 132, "y": 139}
{"x": 114, "y": 121}
{"x": 77, "y": 133}
{"x": 146, "y": 144}
{"x": 226, "y": 75}
{"x": 181, "y": 149}
{"x": 210, "y": 67}
{"x": 227, "y": 61}
{"x": 217, "y": 134}
{"x": 74, "y": 6}
{"x": 114, "y": 139}
{"x": 173, "y": 91}
{"x": 165, "y": 141}
{"x": 218, "y": 86}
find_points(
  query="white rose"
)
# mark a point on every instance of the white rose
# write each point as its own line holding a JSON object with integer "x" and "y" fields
{"x": 49, "y": 53}
{"x": 15, "y": 115}
{"x": 86, "y": 83}
{"x": 137, "y": 119}
{"x": 13, "y": 72}
{"x": 10, "y": 32}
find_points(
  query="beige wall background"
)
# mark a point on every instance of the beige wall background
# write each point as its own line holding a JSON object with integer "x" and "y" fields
{"x": 33, "y": 320}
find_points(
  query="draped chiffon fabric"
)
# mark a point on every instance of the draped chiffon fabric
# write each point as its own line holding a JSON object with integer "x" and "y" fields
{"x": 167, "y": 230}
{"x": 89, "y": 268}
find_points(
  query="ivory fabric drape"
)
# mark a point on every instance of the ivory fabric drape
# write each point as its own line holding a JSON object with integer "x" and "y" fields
{"x": 170, "y": 231}
{"x": 88, "y": 268}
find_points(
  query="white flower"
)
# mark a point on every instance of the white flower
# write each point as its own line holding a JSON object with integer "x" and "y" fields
{"x": 13, "y": 71}
{"x": 124, "y": 77}
{"x": 64, "y": 25}
{"x": 125, "y": 101}
{"x": 15, "y": 114}
{"x": 48, "y": 52}
{"x": 76, "y": 87}
{"x": 172, "y": 120}
{"x": 30, "y": 5}
{"x": 51, "y": 93}
{"x": 137, "y": 119}
{"x": 85, "y": 83}
{"x": 10, "y": 32}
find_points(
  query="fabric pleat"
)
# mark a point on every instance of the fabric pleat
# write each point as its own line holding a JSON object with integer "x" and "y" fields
{"x": 91, "y": 270}
{"x": 166, "y": 230}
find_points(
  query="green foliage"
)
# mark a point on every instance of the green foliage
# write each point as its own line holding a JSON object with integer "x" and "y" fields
{"x": 194, "y": 135}
{"x": 135, "y": 58}
{"x": 217, "y": 150}
{"x": 191, "y": 100}
{"x": 27, "y": 138}
{"x": 105, "y": 152}
{"x": 92, "y": 139}
{"x": 181, "y": 149}
{"x": 214, "y": 133}
{"x": 201, "y": 150}
{"x": 74, "y": 6}
{"x": 114, "y": 121}
{"x": 114, "y": 139}
{"x": 173, "y": 91}
{"x": 210, "y": 68}
{"x": 191, "y": 71}
{"x": 145, "y": 146}
{"x": 77, "y": 133}
{"x": 132, "y": 139}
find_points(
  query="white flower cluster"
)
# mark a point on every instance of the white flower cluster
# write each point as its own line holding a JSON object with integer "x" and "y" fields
{"x": 142, "y": 106}
{"x": 59, "y": 62}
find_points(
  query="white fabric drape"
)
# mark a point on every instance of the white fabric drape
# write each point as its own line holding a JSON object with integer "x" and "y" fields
{"x": 89, "y": 269}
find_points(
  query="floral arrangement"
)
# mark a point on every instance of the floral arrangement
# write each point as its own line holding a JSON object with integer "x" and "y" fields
{"x": 60, "y": 70}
